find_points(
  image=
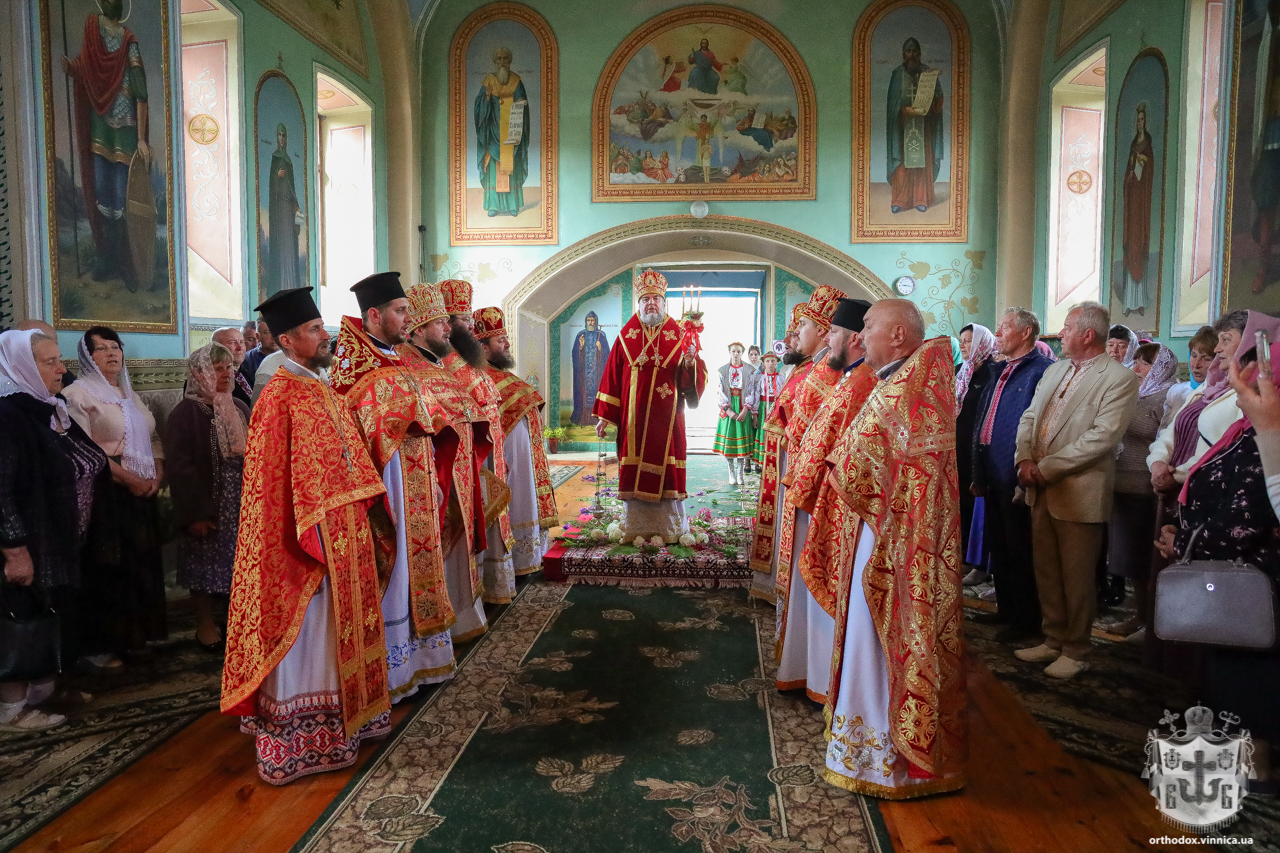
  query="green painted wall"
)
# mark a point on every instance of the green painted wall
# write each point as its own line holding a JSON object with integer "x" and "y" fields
{"x": 1132, "y": 27}
{"x": 823, "y": 36}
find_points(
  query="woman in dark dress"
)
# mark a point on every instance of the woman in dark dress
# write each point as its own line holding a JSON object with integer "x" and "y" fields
{"x": 49, "y": 472}
{"x": 1225, "y": 505}
{"x": 204, "y": 449}
{"x": 123, "y": 573}
{"x": 978, "y": 348}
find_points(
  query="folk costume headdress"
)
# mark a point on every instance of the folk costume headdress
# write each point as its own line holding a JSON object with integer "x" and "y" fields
{"x": 490, "y": 323}
{"x": 820, "y": 307}
{"x": 457, "y": 295}
{"x": 426, "y": 303}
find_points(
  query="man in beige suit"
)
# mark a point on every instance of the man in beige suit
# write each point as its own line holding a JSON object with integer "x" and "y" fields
{"x": 1066, "y": 463}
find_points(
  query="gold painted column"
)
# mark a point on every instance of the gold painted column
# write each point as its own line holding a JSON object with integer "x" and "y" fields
{"x": 1028, "y": 41}
{"x": 393, "y": 37}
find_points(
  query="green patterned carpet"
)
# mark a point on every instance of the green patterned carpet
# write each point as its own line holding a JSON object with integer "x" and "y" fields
{"x": 600, "y": 718}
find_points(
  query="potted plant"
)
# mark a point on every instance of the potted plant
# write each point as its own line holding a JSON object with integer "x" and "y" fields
{"x": 553, "y": 437}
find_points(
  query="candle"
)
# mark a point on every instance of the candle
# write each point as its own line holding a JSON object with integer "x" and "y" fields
{"x": 699, "y": 308}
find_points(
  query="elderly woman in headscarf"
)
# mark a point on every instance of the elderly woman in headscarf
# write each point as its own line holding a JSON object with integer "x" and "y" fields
{"x": 977, "y": 346}
{"x": 1133, "y": 516}
{"x": 124, "y": 576}
{"x": 204, "y": 449}
{"x": 1122, "y": 343}
{"x": 49, "y": 471}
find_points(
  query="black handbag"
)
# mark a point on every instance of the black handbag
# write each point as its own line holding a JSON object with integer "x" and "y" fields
{"x": 30, "y": 634}
{"x": 1216, "y": 602}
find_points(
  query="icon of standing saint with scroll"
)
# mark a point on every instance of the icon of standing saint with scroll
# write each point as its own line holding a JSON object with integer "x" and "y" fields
{"x": 502, "y": 148}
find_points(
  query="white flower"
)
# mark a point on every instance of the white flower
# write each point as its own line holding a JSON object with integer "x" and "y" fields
{"x": 656, "y": 540}
{"x": 615, "y": 535}
{"x": 688, "y": 540}
{"x": 615, "y": 527}
{"x": 701, "y": 536}
{"x": 597, "y": 534}
{"x": 640, "y": 542}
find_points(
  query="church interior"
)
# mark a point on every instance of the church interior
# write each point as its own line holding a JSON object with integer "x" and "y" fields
{"x": 782, "y": 182}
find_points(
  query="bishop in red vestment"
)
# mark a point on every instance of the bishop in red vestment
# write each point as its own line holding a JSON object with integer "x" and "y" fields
{"x": 647, "y": 383}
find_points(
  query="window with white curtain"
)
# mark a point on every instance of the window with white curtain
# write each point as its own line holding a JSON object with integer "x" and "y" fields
{"x": 347, "y": 244}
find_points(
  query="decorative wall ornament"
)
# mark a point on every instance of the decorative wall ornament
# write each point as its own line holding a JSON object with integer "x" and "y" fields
{"x": 503, "y": 128}
{"x": 280, "y": 163}
{"x": 704, "y": 102}
{"x": 1137, "y": 224}
{"x": 946, "y": 295}
{"x": 1250, "y": 266}
{"x": 333, "y": 24}
{"x": 109, "y": 164}
{"x": 911, "y": 123}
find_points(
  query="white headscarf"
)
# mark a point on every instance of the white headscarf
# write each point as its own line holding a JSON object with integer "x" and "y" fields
{"x": 137, "y": 457}
{"x": 981, "y": 347}
{"x": 19, "y": 374}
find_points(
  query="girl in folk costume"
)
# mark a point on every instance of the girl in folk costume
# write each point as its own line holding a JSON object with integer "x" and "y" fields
{"x": 766, "y": 386}
{"x": 734, "y": 435}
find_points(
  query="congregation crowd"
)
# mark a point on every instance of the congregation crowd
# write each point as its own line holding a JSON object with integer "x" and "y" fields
{"x": 345, "y": 507}
{"x": 1081, "y": 476}
{"x": 82, "y": 465}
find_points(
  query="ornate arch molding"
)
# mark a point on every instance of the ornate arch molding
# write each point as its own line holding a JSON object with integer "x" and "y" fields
{"x": 561, "y": 278}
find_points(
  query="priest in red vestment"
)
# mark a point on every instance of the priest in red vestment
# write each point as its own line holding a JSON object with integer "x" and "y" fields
{"x": 805, "y": 601}
{"x": 895, "y": 709}
{"x": 647, "y": 383}
{"x": 533, "y": 499}
{"x": 403, "y": 429}
{"x": 306, "y": 660}
{"x": 466, "y": 363}
{"x": 807, "y": 386}
{"x": 462, "y": 521}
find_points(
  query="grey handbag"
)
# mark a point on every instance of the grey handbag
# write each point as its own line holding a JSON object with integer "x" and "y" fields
{"x": 1215, "y": 602}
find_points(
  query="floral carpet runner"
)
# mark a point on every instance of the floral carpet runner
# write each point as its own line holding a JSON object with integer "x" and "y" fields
{"x": 602, "y": 718}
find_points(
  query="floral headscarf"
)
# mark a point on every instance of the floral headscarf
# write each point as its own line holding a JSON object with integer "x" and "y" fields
{"x": 1163, "y": 373}
{"x": 1046, "y": 351}
{"x": 202, "y": 386}
{"x": 1132, "y": 346}
{"x": 137, "y": 458}
{"x": 981, "y": 348}
{"x": 19, "y": 374}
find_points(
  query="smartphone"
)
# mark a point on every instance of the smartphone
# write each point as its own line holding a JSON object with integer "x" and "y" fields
{"x": 1264, "y": 351}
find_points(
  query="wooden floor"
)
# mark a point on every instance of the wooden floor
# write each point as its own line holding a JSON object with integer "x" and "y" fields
{"x": 200, "y": 792}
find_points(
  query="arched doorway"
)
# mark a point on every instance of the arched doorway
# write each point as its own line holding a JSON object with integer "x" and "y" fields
{"x": 563, "y": 277}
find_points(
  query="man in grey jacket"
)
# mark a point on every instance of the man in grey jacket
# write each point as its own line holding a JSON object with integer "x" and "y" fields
{"x": 1066, "y": 463}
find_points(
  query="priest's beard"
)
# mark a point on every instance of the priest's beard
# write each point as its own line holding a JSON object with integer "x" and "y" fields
{"x": 501, "y": 360}
{"x": 322, "y": 360}
{"x": 653, "y": 319}
{"x": 792, "y": 357}
{"x": 439, "y": 349}
{"x": 467, "y": 346}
